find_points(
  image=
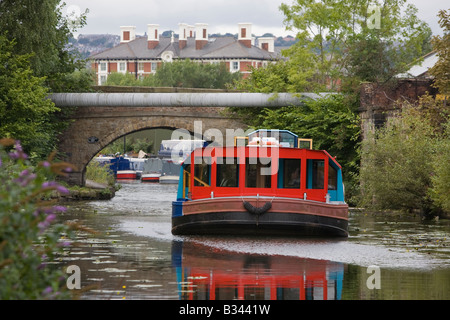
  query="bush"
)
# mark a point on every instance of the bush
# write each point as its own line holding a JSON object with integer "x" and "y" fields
{"x": 100, "y": 173}
{"x": 440, "y": 190}
{"x": 403, "y": 161}
{"x": 30, "y": 238}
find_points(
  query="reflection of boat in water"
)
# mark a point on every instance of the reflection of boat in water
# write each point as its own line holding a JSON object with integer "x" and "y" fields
{"x": 270, "y": 186}
{"x": 152, "y": 170}
{"x": 170, "y": 172}
{"x": 204, "y": 274}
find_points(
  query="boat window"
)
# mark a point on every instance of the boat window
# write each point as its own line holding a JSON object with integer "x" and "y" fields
{"x": 287, "y": 139}
{"x": 254, "y": 175}
{"x": 315, "y": 171}
{"x": 228, "y": 173}
{"x": 332, "y": 178}
{"x": 289, "y": 173}
{"x": 202, "y": 172}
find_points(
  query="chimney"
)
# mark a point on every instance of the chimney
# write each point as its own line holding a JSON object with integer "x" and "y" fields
{"x": 152, "y": 35}
{"x": 127, "y": 34}
{"x": 245, "y": 34}
{"x": 267, "y": 43}
{"x": 201, "y": 35}
{"x": 182, "y": 40}
{"x": 190, "y": 31}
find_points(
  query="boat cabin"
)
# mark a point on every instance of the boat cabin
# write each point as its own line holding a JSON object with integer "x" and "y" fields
{"x": 266, "y": 163}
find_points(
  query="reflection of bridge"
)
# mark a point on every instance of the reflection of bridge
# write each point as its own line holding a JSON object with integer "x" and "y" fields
{"x": 97, "y": 119}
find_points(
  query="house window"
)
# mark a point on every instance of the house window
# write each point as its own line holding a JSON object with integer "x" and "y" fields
{"x": 235, "y": 66}
{"x": 102, "y": 80}
{"x": 141, "y": 67}
{"x": 154, "y": 66}
{"x": 103, "y": 66}
{"x": 122, "y": 66}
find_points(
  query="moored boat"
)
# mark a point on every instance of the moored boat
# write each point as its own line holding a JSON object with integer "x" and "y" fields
{"x": 170, "y": 172}
{"x": 255, "y": 187}
{"x": 126, "y": 174}
{"x": 151, "y": 171}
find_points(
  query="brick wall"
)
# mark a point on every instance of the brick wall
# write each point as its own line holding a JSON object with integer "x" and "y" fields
{"x": 379, "y": 102}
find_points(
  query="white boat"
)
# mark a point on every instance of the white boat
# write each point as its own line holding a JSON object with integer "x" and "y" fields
{"x": 170, "y": 172}
{"x": 151, "y": 170}
{"x": 137, "y": 164}
{"x": 126, "y": 174}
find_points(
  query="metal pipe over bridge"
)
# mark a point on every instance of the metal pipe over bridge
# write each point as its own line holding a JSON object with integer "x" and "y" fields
{"x": 183, "y": 99}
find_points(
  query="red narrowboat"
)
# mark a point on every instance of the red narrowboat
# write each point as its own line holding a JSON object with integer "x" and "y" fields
{"x": 126, "y": 174}
{"x": 267, "y": 184}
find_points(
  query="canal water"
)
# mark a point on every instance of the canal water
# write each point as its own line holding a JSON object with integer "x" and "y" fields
{"x": 133, "y": 255}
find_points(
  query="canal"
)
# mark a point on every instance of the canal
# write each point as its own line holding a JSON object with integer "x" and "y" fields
{"x": 133, "y": 255}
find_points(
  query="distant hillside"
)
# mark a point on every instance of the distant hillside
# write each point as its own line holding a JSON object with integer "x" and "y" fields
{"x": 89, "y": 44}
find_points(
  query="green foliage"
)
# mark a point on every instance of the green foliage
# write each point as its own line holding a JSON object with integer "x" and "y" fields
{"x": 440, "y": 179}
{"x": 180, "y": 73}
{"x": 122, "y": 79}
{"x": 30, "y": 237}
{"x": 40, "y": 29}
{"x": 24, "y": 108}
{"x": 98, "y": 173}
{"x": 399, "y": 161}
{"x": 344, "y": 36}
{"x": 297, "y": 74}
{"x": 442, "y": 46}
{"x": 131, "y": 145}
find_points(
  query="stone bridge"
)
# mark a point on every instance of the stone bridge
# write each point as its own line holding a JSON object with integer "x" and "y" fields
{"x": 97, "y": 119}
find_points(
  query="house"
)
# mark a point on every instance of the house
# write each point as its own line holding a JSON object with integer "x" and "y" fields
{"x": 420, "y": 70}
{"x": 141, "y": 56}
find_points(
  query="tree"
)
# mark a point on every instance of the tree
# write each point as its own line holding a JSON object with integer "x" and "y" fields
{"x": 371, "y": 40}
{"x": 39, "y": 28}
{"x": 191, "y": 74}
{"x": 24, "y": 108}
{"x": 296, "y": 74}
{"x": 442, "y": 46}
{"x": 180, "y": 73}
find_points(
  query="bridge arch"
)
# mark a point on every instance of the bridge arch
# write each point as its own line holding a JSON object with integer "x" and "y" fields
{"x": 89, "y": 133}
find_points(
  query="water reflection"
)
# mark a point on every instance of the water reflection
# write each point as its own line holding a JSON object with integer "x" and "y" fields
{"x": 135, "y": 256}
{"x": 205, "y": 274}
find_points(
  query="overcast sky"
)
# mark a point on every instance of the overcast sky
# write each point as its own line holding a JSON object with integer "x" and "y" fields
{"x": 222, "y": 16}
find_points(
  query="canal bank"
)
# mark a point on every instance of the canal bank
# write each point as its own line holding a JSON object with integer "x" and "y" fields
{"x": 133, "y": 255}
{"x": 91, "y": 191}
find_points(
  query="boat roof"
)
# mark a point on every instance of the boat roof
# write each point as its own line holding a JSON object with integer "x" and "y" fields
{"x": 273, "y": 130}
